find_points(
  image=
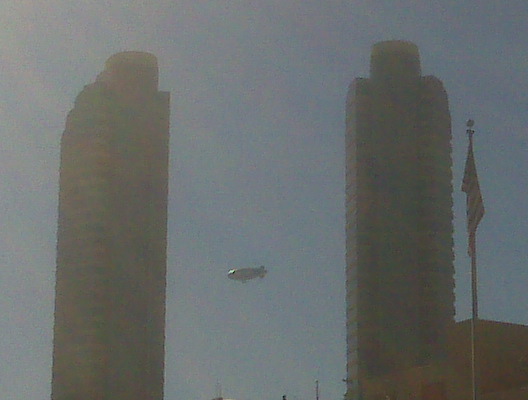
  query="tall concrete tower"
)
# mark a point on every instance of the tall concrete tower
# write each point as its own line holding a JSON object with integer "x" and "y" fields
{"x": 400, "y": 281}
{"x": 111, "y": 244}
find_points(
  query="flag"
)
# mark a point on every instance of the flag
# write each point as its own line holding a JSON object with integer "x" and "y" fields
{"x": 474, "y": 204}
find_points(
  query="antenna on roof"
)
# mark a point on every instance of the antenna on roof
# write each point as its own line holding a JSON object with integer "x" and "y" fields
{"x": 218, "y": 391}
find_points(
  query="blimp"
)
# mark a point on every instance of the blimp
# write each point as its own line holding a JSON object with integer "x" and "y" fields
{"x": 245, "y": 274}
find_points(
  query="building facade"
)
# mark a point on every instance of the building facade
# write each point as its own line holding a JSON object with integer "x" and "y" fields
{"x": 400, "y": 284}
{"x": 502, "y": 354}
{"x": 109, "y": 329}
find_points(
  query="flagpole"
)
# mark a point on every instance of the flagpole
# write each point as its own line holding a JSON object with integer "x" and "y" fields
{"x": 474, "y": 321}
{"x": 474, "y": 287}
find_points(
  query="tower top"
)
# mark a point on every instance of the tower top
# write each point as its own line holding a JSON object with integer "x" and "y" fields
{"x": 395, "y": 46}
{"x": 139, "y": 59}
{"x": 395, "y": 57}
{"x": 130, "y": 69}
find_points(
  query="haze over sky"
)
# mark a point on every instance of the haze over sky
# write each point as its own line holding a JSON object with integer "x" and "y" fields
{"x": 256, "y": 173}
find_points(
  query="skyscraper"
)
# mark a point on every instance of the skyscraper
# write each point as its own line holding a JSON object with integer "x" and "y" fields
{"x": 111, "y": 243}
{"x": 400, "y": 283}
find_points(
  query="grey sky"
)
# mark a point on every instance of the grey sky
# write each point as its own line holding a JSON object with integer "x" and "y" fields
{"x": 257, "y": 152}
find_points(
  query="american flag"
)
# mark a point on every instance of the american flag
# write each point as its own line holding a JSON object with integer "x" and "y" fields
{"x": 474, "y": 204}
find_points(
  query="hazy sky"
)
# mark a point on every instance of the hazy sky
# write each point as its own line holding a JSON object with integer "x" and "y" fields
{"x": 256, "y": 173}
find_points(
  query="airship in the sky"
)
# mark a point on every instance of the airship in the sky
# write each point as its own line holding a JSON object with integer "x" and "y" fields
{"x": 245, "y": 274}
